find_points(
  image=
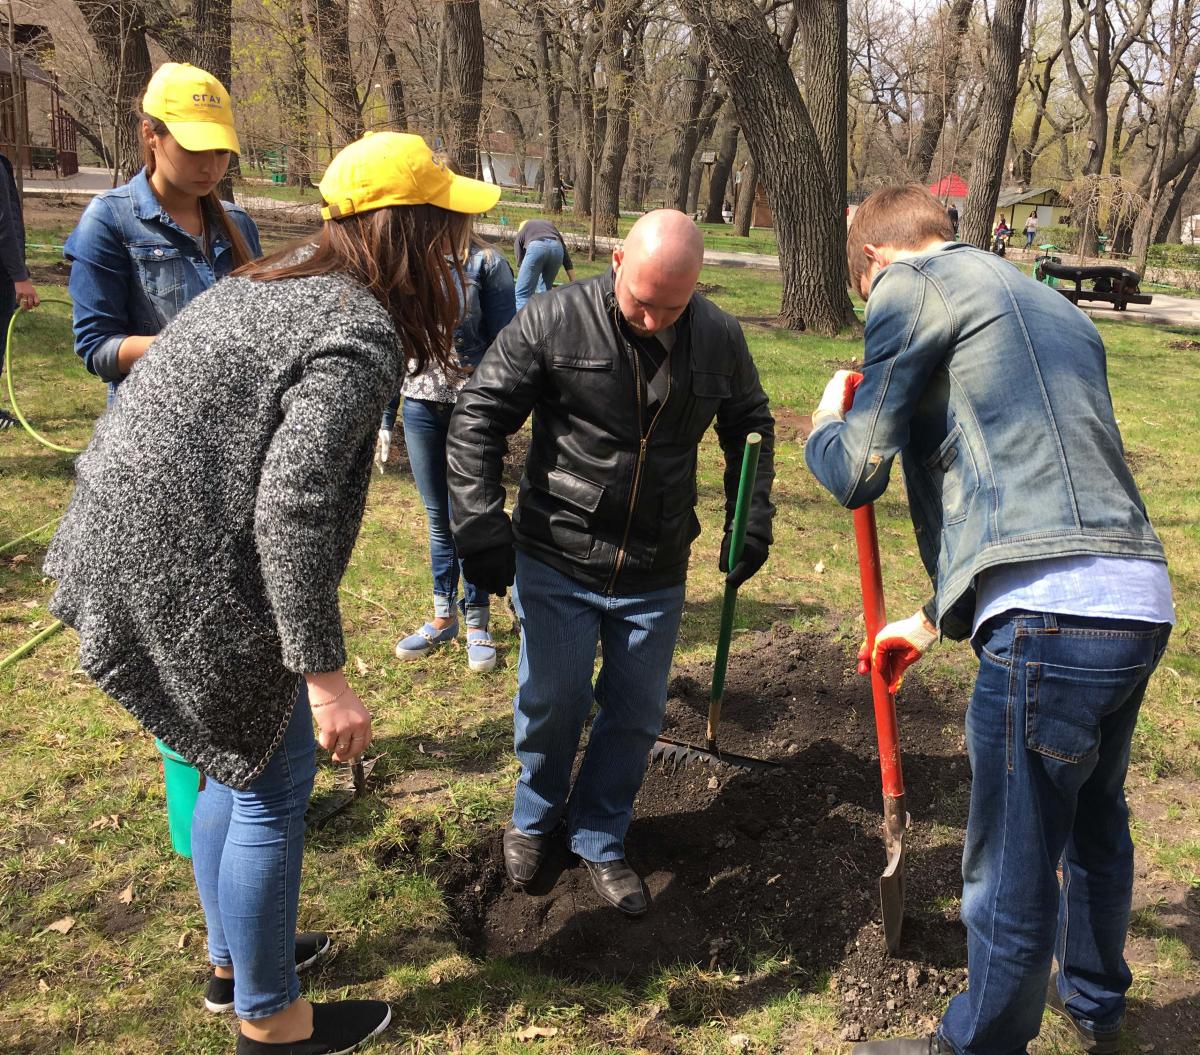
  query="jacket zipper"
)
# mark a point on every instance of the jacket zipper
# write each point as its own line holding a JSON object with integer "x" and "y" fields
{"x": 643, "y": 443}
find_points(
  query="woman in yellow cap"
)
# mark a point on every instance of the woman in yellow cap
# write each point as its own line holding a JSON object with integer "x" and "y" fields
{"x": 214, "y": 514}
{"x": 143, "y": 250}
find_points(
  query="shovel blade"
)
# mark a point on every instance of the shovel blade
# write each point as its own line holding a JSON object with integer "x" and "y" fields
{"x": 891, "y": 883}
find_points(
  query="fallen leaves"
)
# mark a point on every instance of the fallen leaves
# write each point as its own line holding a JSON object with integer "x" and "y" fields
{"x": 126, "y": 895}
{"x": 110, "y": 820}
{"x": 61, "y": 926}
{"x": 361, "y": 667}
{"x": 537, "y": 1032}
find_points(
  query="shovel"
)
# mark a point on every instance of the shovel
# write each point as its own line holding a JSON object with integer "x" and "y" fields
{"x": 895, "y": 818}
{"x": 674, "y": 752}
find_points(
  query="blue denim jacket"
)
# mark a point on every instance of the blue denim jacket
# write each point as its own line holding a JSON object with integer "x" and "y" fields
{"x": 993, "y": 389}
{"x": 133, "y": 269}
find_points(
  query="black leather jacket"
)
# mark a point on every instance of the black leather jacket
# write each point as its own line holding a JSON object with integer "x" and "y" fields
{"x": 608, "y": 493}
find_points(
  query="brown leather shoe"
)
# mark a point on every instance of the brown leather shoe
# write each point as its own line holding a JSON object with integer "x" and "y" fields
{"x": 619, "y": 885}
{"x": 1092, "y": 1042}
{"x": 523, "y": 855}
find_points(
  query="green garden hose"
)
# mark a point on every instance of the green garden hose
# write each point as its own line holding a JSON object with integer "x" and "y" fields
{"x": 12, "y": 398}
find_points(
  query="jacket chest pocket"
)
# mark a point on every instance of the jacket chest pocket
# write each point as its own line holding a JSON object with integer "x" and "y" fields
{"x": 709, "y": 389}
{"x": 161, "y": 272}
{"x": 951, "y": 475}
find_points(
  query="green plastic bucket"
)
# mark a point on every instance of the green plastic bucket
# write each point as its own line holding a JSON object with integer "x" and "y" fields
{"x": 183, "y": 785}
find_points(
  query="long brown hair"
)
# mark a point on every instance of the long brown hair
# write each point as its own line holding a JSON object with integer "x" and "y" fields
{"x": 399, "y": 253}
{"x": 210, "y": 204}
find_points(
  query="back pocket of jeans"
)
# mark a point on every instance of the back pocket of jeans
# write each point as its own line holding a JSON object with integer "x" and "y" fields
{"x": 1064, "y": 706}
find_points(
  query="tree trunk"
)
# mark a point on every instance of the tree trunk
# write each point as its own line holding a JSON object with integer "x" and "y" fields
{"x": 552, "y": 200}
{"x": 942, "y": 92}
{"x": 823, "y": 40}
{"x": 329, "y": 22}
{"x": 809, "y": 217}
{"x": 621, "y": 58}
{"x": 464, "y": 81}
{"x": 590, "y": 122}
{"x": 743, "y": 216}
{"x": 718, "y": 178}
{"x": 1170, "y": 225}
{"x": 1000, "y": 95}
{"x": 692, "y": 204}
{"x": 679, "y": 167}
{"x": 212, "y": 51}
{"x": 393, "y": 84}
{"x": 119, "y": 32}
{"x": 294, "y": 97}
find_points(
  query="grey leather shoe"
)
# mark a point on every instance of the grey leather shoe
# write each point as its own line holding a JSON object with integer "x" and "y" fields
{"x": 619, "y": 885}
{"x": 1092, "y": 1042}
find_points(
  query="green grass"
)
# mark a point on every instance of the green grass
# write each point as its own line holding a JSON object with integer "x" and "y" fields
{"x": 81, "y": 801}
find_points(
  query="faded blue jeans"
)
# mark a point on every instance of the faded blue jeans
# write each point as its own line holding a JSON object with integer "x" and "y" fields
{"x": 1048, "y": 733}
{"x": 539, "y": 266}
{"x": 561, "y": 622}
{"x": 425, "y": 428}
{"x": 247, "y": 848}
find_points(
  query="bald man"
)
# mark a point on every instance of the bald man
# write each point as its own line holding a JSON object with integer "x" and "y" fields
{"x": 623, "y": 374}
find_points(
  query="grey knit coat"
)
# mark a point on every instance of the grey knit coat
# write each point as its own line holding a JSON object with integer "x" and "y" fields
{"x": 216, "y": 508}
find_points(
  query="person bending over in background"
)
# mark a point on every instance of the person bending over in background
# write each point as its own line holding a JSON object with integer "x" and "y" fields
{"x": 540, "y": 252}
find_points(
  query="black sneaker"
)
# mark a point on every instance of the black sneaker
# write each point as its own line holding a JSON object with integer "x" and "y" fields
{"x": 337, "y": 1028}
{"x": 1092, "y": 1042}
{"x": 310, "y": 947}
{"x": 7, "y": 421}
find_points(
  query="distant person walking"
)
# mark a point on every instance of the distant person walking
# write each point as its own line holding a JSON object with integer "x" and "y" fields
{"x": 540, "y": 251}
{"x": 16, "y": 290}
{"x": 144, "y": 250}
{"x": 1031, "y": 226}
{"x": 952, "y": 213}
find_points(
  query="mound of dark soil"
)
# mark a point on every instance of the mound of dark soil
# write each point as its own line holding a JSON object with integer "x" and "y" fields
{"x": 745, "y": 864}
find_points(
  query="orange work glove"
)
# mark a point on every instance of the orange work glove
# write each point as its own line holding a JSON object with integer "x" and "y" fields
{"x": 897, "y": 647}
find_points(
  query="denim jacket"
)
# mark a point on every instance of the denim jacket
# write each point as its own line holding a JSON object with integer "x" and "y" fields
{"x": 133, "y": 269}
{"x": 993, "y": 389}
{"x": 487, "y": 305}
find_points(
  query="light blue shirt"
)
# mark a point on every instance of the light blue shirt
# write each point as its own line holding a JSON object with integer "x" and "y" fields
{"x": 1095, "y": 587}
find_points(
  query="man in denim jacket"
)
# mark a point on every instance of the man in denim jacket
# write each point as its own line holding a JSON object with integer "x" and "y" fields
{"x": 992, "y": 389}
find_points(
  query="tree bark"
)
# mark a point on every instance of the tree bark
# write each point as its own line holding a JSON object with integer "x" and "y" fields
{"x": 679, "y": 166}
{"x": 621, "y": 52}
{"x": 464, "y": 79}
{"x": 329, "y": 23}
{"x": 743, "y": 216}
{"x": 548, "y": 97}
{"x": 809, "y": 217}
{"x": 213, "y": 51}
{"x": 294, "y": 98}
{"x": 118, "y": 29}
{"x": 1000, "y": 94}
{"x": 823, "y": 41}
{"x": 718, "y": 178}
{"x": 942, "y": 92}
{"x": 590, "y": 122}
{"x": 393, "y": 83}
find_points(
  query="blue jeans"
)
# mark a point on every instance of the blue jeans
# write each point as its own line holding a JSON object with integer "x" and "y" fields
{"x": 246, "y": 852}
{"x": 539, "y": 265}
{"x": 425, "y": 428}
{"x": 561, "y": 622}
{"x": 1048, "y": 733}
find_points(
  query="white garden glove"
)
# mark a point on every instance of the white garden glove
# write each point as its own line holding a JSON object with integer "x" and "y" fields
{"x": 897, "y": 647}
{"x": 383, "y": 448}
{"x": 836, "y": 398}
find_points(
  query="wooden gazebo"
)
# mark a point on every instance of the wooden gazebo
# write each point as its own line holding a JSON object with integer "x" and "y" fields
{"x": 49, "y": 141}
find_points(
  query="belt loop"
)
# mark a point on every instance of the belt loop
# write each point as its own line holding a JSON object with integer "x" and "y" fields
{"x": 1051, "y": 623}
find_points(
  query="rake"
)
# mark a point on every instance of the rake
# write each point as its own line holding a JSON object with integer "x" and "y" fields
{"x": 675, "y": 753}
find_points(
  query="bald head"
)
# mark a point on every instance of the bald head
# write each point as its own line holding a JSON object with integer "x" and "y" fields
{"x": 656, "y": 269}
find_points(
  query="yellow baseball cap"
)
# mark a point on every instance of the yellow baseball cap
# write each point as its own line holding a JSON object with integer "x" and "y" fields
{"x": 194, "y": 106}
{"x": 396, "y": 168}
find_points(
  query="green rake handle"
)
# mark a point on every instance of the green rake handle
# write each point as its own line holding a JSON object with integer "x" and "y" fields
{"x": 741, "y": 513}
